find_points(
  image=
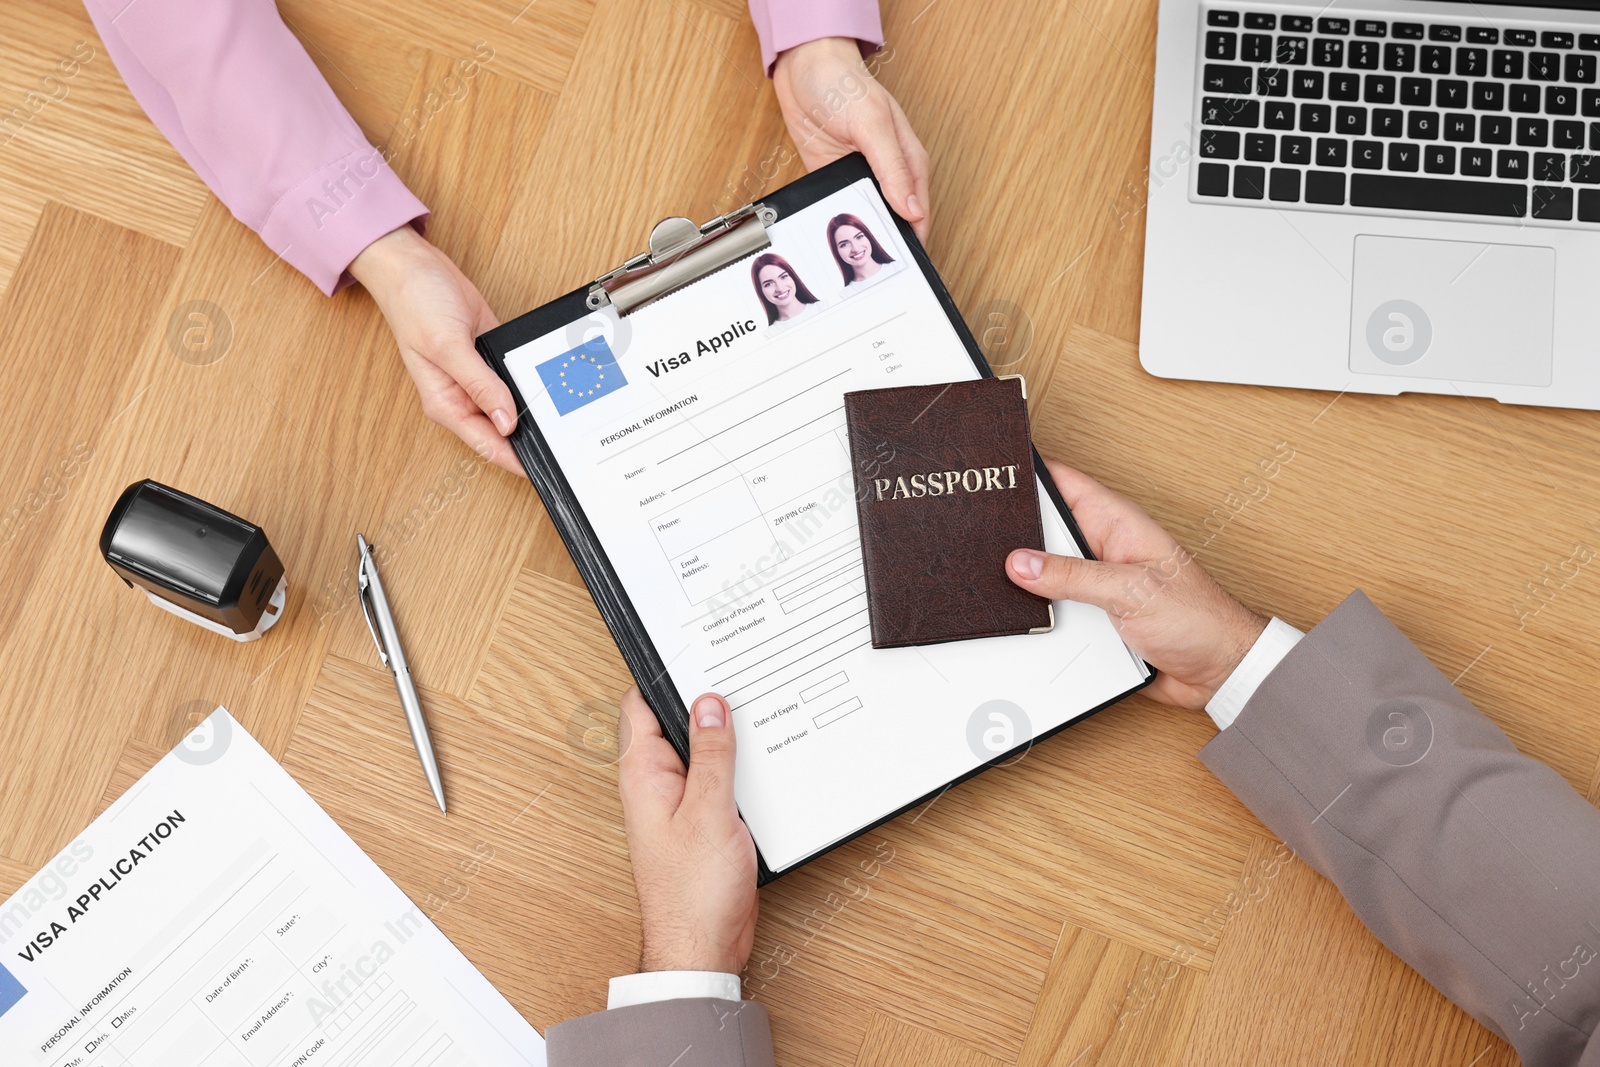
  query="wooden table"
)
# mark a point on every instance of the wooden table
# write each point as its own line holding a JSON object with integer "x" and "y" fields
{"x": 1103, "y": 901}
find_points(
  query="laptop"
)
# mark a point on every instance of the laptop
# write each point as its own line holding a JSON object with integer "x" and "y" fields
{"x": 1387, "y": 197}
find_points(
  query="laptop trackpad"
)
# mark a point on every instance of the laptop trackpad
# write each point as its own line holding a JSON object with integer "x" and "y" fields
{"x": 1453, "y": 310}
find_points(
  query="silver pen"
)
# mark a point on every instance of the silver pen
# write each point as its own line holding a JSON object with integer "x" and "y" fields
{"x": 369, "y": 587}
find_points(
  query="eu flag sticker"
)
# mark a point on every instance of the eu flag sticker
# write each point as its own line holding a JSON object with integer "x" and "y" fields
{"x": 582, "y": 375}
{"x": 11, "y": 990}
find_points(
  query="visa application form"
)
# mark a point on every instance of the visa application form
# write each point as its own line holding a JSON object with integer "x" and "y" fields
{"x": 704, "y": 436}
{"x": 215, "y": 916}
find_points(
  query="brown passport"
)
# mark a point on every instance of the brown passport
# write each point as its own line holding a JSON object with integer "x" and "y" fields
{"x": 945, "y": 490}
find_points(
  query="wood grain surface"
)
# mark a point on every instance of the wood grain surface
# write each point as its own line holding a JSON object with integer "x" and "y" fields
{"x": 1103, "y": 901}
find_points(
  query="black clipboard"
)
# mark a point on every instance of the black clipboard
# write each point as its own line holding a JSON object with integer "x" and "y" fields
{"x": 681, "y": 253}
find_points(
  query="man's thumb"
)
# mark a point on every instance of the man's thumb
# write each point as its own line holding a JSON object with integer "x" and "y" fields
{"x": 1087, "y": 581}
{"x": 711, "y": 752}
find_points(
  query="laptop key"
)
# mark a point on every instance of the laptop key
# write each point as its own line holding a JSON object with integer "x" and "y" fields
{"x": 1534, "y": 133}
{"x": 1555, "y": 39}
{"x": 1274, "y": 81}
{"x": 1343, "y": 86}
{"x": 1307, "y": 85}
{"x": 1561, "y": 100}
{"x": 1324, "y": 187}
{"x": 1332, "y": 152}
{"x": 1249, "y": 183}
{"x": 1439, "y": 159}
{"x": 1522, "y": 38}
{"x": 1567, "y": 134}
{"x": 1507, "y": 64}
{"x": 1258, "y": 21}
{"x": 1388, "y": 123}
{"x": 1552, "y": 202}
{"x": 1221, "y": 45}
{"x": 1594, "y": 136}
{"x": 1511, "y": 164}
{"x": 1416, "y": 92}
{"x": 1367, "y": 155}
{"x": 1423, "y": 125}
{"x": 1212, "y": 180}
{"x": 1586, "y": 170}
{"x": 1327, "y": 53}
{"x": 1489, "y": 96}
{"x": 1411, "y": 31}
{"x": 1351, "y": 121}
{"x": 1296, "y": 24}
{"x": 1452, "y": 93}
{"x": 1525, "y": 98}
{"x": 1316, "y": 118}
{"x": 1219, "y": 144}
{"x": 1591, "y": 102}
{"x": 1278, "y": 116}
{"x": 1294, "y": 150}
{"x": 1444, "y": 33}
{"x": 1494, "y": 129}
{"x": 1285, "y": 184}
{"x": 1398, "y": 192}
{"x": 1404, "y": 157}
{"x": 1400, "y": 58}
{"x": 1589, "y": 42}
{"x": 1580, "y": 68}
{"x": 1335, "y": 26}
{"x": 1364, "y": 55}
{"x": 1477, "y": 162}
{"x": 1222, "y": 17}
{"x": 1433, "y": 59}
{"x": 1229, "y": 111}
{"x": 1544, "y": 67}
{"x": 1257, "y": 48}
{"x": 1549, "y": 167}
{"x": 1472, "y": 62}
{"x": 1589, "y": 205}
{"x": 1261, "y": 147}
{"x": 1483, "y": 35}
{"x": 1460, "y": 128}
{"x": 1380, "y": 89}
{"x": 1220, "y": 78}
{"x": 1293, "y": 51}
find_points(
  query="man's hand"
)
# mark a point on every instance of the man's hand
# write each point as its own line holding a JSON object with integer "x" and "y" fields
{"x": 435, "y": 313}
{"x": 1165, "y": 606}
{"x": 693, "y": 860}
{"x": 833, "y": 107}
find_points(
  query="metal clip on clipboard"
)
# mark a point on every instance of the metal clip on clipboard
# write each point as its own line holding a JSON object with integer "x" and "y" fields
{"x": 681, "y": 253}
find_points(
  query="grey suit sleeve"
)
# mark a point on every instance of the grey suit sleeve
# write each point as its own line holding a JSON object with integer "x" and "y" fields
{"x": 683, "y": 1033}
{"x": 1478, "y": 866}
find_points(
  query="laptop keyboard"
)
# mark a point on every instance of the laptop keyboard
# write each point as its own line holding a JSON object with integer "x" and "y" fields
{"x": 1386, "y": 114}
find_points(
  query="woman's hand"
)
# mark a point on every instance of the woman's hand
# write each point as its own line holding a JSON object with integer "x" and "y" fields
{"x": 435, "y": 314}
{"x": 1162, "y": 602}
{"x": 833, "y": 107}
{"x": 694, "y": 863}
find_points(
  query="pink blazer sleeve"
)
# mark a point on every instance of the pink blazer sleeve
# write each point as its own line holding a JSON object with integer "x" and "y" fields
{"x": 238, "y": 97}
{"x": 782, "y": 24}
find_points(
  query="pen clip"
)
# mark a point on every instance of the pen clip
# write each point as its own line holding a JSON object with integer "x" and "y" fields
{"x": 362, "y": 582}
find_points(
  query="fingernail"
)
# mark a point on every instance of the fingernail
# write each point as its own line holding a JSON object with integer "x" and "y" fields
{"x": 502, "y": 421}
{"x": 914, "y": 206}
{"x": 1027, "y": 563}
{"x": 708, "y": 712}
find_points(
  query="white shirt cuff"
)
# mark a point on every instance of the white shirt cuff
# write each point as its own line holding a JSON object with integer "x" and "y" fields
{"x": 651, "y": 986}
{"x": 1268, "y": 651}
